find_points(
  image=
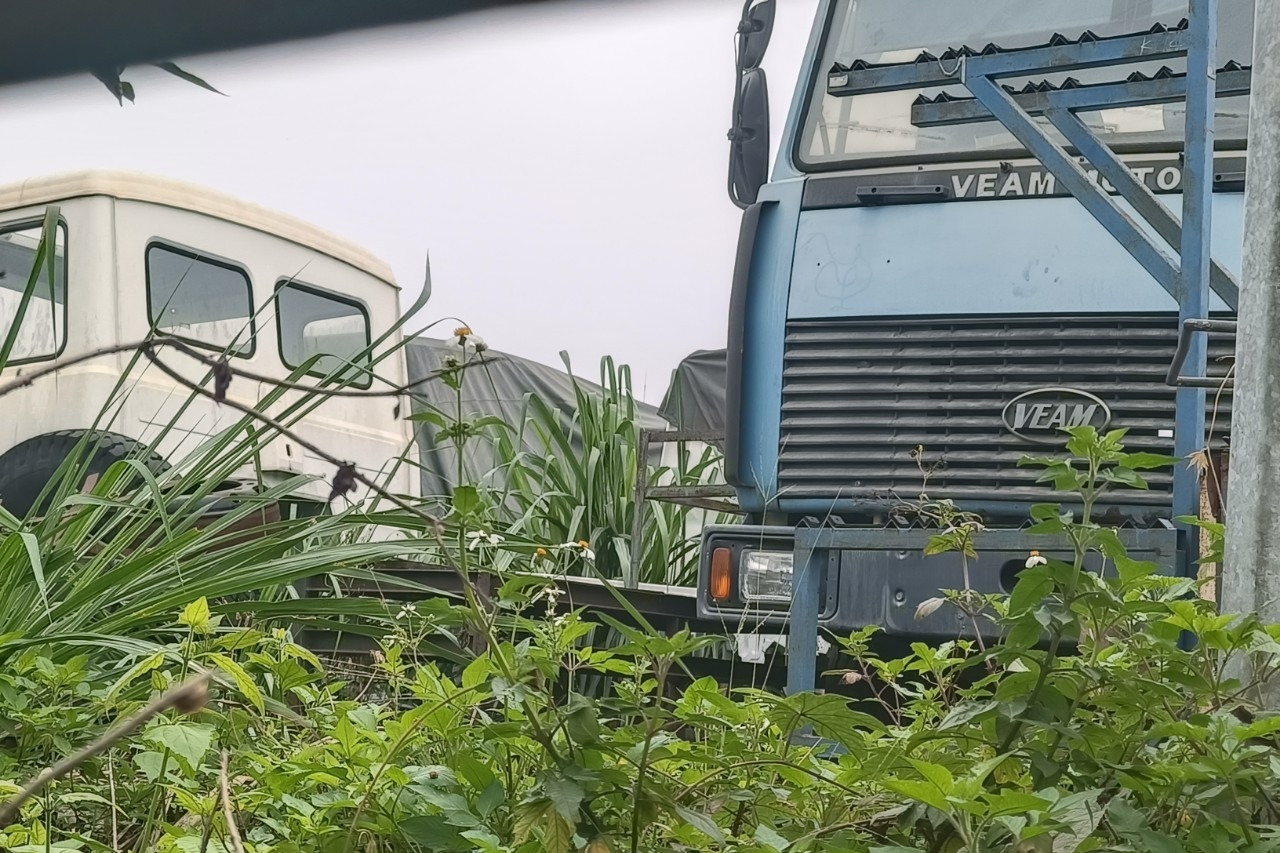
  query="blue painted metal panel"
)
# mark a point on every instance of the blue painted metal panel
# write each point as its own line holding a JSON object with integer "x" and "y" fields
{"x": 1043, "y": 255}
{"x": 785, "y": 167}
{"x": 1119, "y": 223}
{"x": 1193, "y": 278}
{"x": 1144, "y": 201}
{"x": 766, "y": 313}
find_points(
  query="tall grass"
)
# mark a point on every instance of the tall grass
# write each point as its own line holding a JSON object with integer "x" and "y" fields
{"x": 582, "y": 487}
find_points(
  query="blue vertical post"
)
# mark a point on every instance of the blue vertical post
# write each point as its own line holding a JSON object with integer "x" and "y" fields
{"x": 1193, "y": 275}
{"x": 802, "y": 635}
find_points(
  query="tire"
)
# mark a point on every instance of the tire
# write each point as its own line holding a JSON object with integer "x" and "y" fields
{"x": 27, "y": 468}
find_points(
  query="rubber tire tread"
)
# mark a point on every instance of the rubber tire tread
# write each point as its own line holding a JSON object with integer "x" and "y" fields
{"x": 29, "y": 466}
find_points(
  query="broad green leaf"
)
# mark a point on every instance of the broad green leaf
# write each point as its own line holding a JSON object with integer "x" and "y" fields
{"x": 1147, "y": 461}
{"x": 922, "y": 792}
{"x": 466, "y": 500}
{"x": 149, "y": 763}
{"x": 701, "y": 822}
{"x": 365, "y": 716}
{"x": 966, "y": 712}
{"x": 541, "y": 819}
{"x": 142, "y": 667}
{"x": 473, "y": 771}
{"x": 188, "y": 741}
{"x": 433, "y": 832}
{"x": 346, "y": 733}
{"x": 769, "y": 837}
{"x": 1033, "y": 586}
{"x": 1131, "y": 570}
{"x": 938, "y": 545}
{"x": 1261, "y": 727}
{"x": 829, "y": 714}
{"x": 937, "y": 775}
{"x": 477, "y": 672}
{"x": 197, "y": 617}
{"x": 494, "y": 795}
{"x": 566, "y": 795}
{"x": 244, "y": 681}
{"x": 580, "y": 720}
{"x": 1014, "y": 802}
{"x": 1124, "y": 476}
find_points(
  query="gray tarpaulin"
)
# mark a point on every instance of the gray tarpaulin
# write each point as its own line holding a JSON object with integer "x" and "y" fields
{"x": 695, "y": 400}
{"x": 498, "y": 388}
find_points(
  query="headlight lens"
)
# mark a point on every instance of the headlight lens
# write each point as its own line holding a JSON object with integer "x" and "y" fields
{"x": 767, "y": 575}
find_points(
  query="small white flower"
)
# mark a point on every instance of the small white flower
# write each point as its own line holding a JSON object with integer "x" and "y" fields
{"x": 466, "y": 341}
{"x": 1036, "y": 560}
{"x": 582, "y": 547}
{"x": 476, "y": 538}
{"x": 551, "y": 593}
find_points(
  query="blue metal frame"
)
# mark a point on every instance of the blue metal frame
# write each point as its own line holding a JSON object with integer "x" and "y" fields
{"x": 1188, "y": 277}
{"x": 1193, "y": 274}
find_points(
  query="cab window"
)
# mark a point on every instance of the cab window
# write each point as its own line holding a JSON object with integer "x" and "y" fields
{"x": 205, "y": 300}
{"x": 42, "y": 332}
{"x": 333, "y": 330}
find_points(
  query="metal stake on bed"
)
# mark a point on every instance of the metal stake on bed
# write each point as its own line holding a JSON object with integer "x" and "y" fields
{"x": 1188, "y": 273}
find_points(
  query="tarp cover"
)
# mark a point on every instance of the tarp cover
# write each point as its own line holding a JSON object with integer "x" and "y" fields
{"x": 695, "y": 400}
{"x": 498, "y": 388}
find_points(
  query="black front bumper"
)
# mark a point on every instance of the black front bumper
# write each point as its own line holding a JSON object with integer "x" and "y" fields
{"x": 877, "y": 576}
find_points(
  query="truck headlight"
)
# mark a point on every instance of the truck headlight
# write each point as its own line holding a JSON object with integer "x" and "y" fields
{"x": 767, "y": 575}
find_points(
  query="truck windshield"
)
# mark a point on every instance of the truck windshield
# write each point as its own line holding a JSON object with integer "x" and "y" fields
{"x": 844, "y": 130}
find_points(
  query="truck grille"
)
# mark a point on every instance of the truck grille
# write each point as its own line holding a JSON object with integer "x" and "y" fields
{"x": 859, "y": 396}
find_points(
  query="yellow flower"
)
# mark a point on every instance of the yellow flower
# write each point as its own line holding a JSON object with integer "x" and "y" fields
{"x": 582, "y": 543}
{"x": 462, "y": 331}
{"x": 541, "y": 552}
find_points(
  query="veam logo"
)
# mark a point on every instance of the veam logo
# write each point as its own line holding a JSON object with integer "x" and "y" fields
{"x": 1042, "y": 414}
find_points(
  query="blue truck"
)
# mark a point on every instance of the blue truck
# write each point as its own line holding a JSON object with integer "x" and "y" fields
{"x": 923, "y": 294}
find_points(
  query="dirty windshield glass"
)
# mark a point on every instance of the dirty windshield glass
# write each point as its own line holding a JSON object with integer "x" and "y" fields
{"x": 879, "y": 125}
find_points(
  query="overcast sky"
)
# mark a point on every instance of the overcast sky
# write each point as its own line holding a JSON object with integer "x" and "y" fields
{"x": 564, "y": 168}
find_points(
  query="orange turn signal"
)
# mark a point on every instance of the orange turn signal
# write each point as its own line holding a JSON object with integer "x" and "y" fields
{"x": 721, "y": 574}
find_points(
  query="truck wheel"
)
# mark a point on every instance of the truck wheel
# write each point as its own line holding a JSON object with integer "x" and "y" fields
{"x": 28, "y": 467}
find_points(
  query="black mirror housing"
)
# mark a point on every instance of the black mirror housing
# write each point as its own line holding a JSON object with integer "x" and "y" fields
{"x": 749, "y": 139}
{"x": 754, "y": 31}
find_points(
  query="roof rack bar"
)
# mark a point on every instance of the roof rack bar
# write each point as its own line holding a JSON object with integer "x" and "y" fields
{"x": 1067, "y": 56}
{"x": 1109, "y": 96}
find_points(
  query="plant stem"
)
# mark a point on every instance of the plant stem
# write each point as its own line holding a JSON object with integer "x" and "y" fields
{"x": 227, "y": 813}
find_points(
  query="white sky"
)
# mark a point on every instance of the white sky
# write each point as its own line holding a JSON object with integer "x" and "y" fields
{"x": 565, "y": 168}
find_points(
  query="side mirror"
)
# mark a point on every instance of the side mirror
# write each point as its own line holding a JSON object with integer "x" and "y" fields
{"x": 749, "y": 138}
{"x": 753, "y": 33}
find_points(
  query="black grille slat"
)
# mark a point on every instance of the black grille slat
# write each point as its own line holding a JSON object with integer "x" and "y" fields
{"x": 858, "y": 396}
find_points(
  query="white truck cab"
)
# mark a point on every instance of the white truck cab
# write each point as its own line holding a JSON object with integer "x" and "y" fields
{"x": 137, "y": 253}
